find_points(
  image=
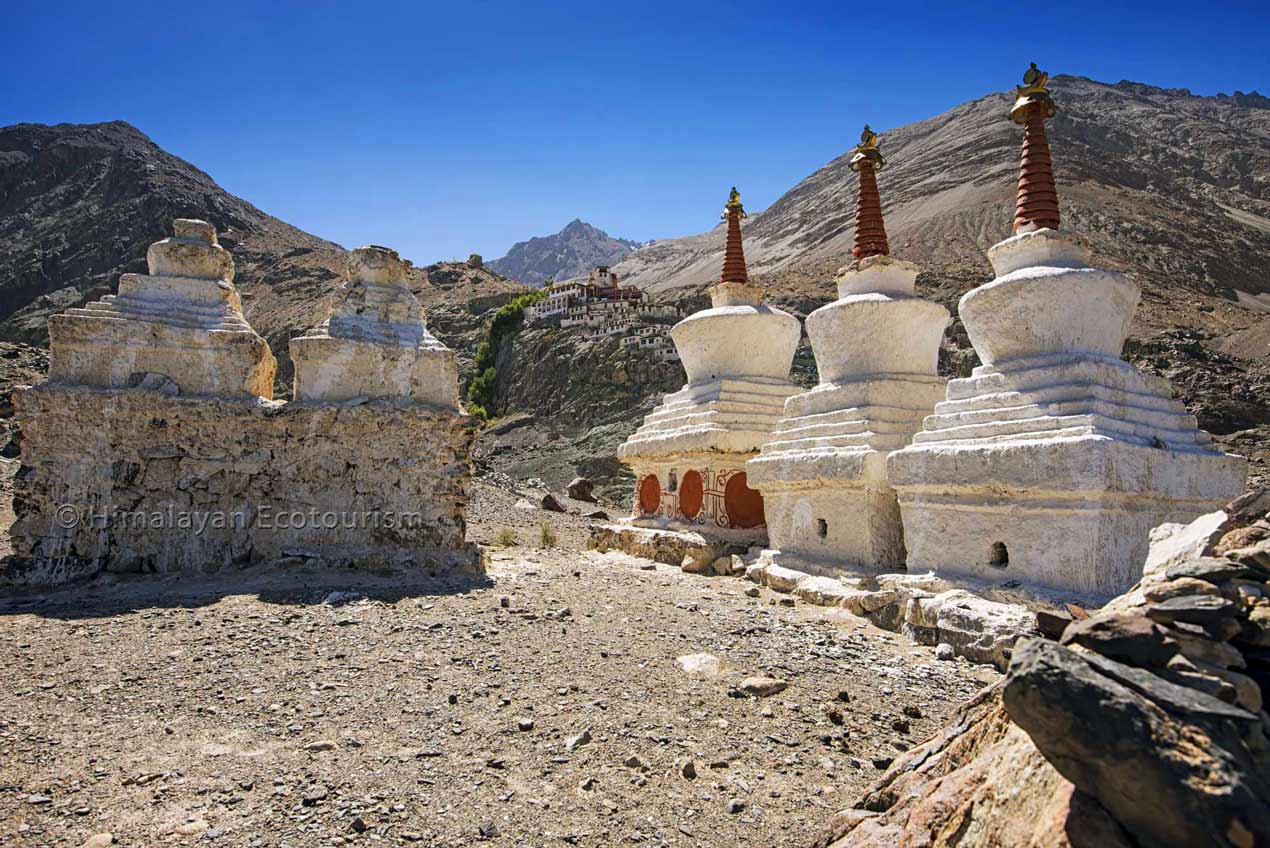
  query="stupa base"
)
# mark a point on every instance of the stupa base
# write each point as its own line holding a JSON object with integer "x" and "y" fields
{"x": 1068, "y": 513}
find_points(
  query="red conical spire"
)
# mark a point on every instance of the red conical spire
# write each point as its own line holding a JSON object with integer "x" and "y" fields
{"x": 1037, "y": 204}
{"x": 734, "y": 255}
{"x": 870, "y": 230}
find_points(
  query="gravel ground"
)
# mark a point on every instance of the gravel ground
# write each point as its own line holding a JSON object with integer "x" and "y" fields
{"x": 254, "y": 709}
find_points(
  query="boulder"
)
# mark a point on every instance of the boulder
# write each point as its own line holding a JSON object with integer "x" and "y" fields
{"x": 1210, "y": 569}
{"x": 980, "y": 630}
{"x": 550, "y": 503}
{"x": 980, "y": 781}
{"x": 700, "y": 665}
{"x": 763, "y": 687}
{"x": 1174, "y": 543}
{"x": 580, "y": 489}
{"x": 1124, "y": 636}
{"x": 823, "y": 591}
{"x": 1132, "y": 740}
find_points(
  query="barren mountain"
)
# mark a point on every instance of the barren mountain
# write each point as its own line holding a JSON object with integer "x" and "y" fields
{"x": 80, "y": 203}
{"x": 572, "y": 252}
{"x": 1171, "y": 186}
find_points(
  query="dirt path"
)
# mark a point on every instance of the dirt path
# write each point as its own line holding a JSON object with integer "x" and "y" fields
{"x": 244, "y": 711}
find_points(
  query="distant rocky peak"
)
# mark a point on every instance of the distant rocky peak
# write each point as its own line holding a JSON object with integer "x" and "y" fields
{"x": 573, "y": 252}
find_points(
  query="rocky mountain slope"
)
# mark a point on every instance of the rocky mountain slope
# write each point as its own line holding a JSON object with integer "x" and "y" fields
{"x": 79, "y": 205}
{"x": 1172, "y": 186}
{"x": 570, "y": 253}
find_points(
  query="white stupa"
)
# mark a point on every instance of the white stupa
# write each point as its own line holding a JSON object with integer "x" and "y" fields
{"x": 374, "y": 344}
{"x": 1054, "y": 460}
{"x": 689, "y": 455}
{"x": 179, "y": 328}
{"x": 823, "y": 473}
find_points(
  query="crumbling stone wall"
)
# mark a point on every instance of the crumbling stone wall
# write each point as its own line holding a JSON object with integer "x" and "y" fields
{"x": 154, "y": 445}
{"x": 136, "y": 480}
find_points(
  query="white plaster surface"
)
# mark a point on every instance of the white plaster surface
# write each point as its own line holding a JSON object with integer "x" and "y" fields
{"x": 182, "y": 321}
{"x": 1054, "y": 448}
{"x": 823, "y": 472}
{"x": 374, "y": 343}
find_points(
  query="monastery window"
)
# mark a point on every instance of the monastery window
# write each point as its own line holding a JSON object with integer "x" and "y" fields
{"x": 822, "y": 528}
{"x": 1000, "y": 555}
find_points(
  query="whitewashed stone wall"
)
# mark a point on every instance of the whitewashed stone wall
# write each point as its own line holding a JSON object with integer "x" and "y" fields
{"x": 139, "y": 481}
{"x": 154, "y": 446}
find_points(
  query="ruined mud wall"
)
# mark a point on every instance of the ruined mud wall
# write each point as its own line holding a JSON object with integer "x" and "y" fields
{"x": 133, "y": 480}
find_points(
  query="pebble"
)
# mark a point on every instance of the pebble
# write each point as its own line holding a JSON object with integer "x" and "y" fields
{"x": 99, "y": 840}
{"x": 763, "y": 687}
{"x": 524, "y": 724}
{"x": 688, "y": 770}
{"x": 944, "y": 651}
{"x": 735, "y": 805}
{"x": 314, "y": 795}
{"x": 573, "y": 743}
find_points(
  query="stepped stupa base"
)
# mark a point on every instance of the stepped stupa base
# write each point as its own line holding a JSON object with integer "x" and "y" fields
{"x": 689, "y": 456}
{"x": 823, "y": 474}
{"x": 1053, "y": 471}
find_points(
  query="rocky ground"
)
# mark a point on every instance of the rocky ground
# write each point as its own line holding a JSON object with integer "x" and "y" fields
{"x": 542, "y": 705}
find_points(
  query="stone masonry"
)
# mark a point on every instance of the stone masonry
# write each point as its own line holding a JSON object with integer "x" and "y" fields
{"x": 185, "y": 464}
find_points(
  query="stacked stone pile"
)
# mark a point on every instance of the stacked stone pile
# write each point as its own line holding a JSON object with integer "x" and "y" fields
{"x": 1144, "y": 724}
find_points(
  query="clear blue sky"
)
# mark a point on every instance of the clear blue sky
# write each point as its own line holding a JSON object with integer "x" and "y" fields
{"x": 443, "y": 129}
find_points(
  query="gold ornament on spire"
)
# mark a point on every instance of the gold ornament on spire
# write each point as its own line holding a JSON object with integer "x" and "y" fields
{"x": 868, "y": 150}
{"x": 1033, "y": 93}
{"x": 733, "y": 204}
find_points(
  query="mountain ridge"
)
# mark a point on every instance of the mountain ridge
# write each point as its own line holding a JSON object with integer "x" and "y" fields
{"x": 1144, "y": 173}
{"x": 572, "y": 252}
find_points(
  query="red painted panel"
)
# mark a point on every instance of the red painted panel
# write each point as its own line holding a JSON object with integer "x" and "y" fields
{"x": 649, "y": 495}
{"x": 743, "y": 504}
{"x": 691, "y": 494}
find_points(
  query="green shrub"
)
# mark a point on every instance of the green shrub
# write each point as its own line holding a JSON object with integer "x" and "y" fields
{"x": 546, "y": 536}
{"x": 507, "y": 321}
{"x": 506, "y": 538}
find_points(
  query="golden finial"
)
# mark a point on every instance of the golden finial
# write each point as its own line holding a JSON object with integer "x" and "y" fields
{"x": 1032, "y": 92}
{"x": 734, "y": 203}
{"x": 867, "y": 149}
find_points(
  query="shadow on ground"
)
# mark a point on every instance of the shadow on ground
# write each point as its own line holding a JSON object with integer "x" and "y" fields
{"x": 113, "y": 594}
